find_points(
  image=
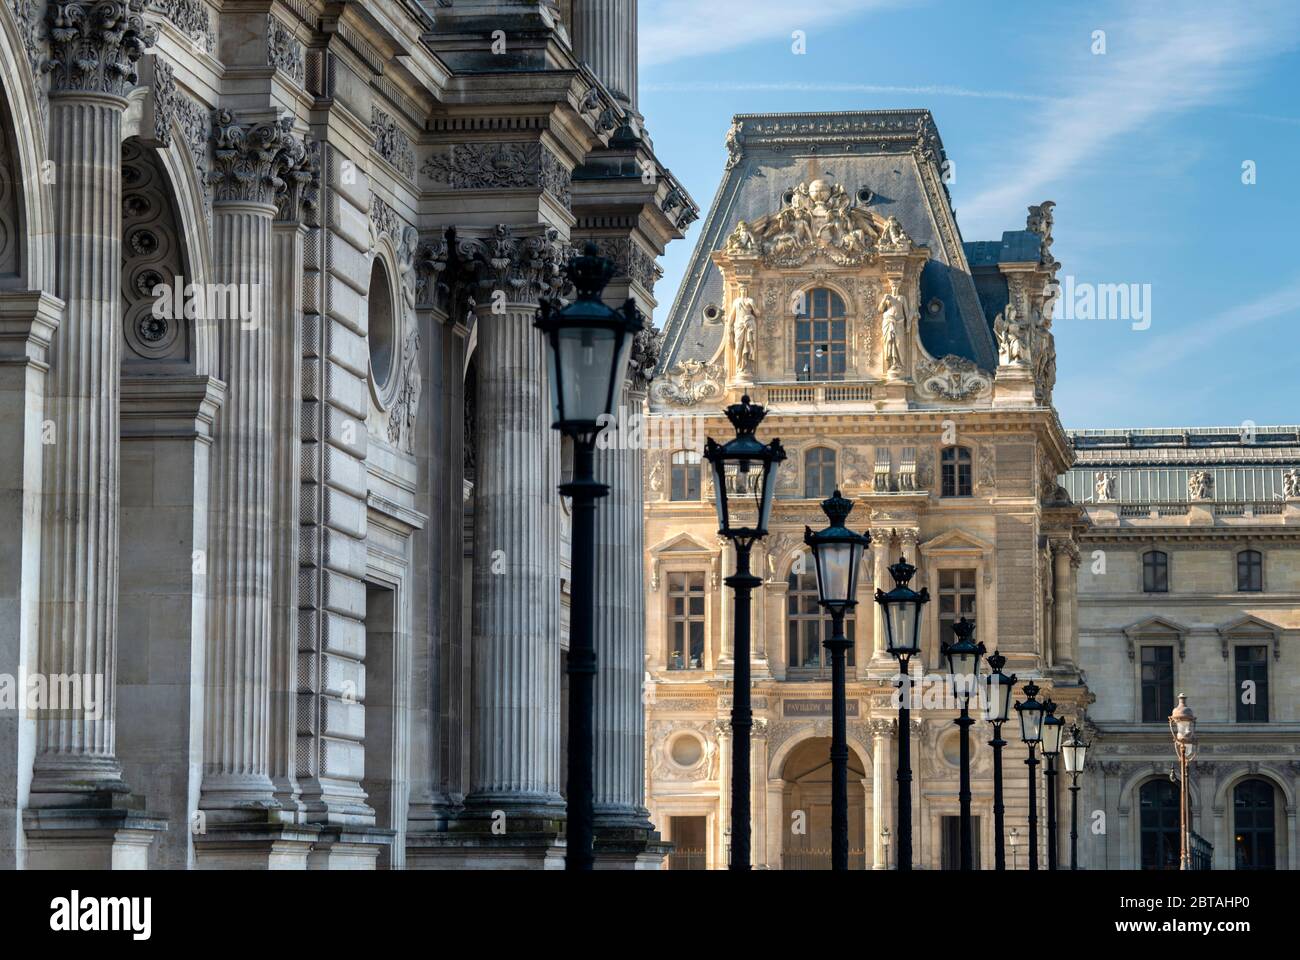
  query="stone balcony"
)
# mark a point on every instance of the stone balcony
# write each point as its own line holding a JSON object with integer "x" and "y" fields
{"x": 1224, "y": 513}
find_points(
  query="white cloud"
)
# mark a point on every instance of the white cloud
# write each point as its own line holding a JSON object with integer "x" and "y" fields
{"x": 674, "y": 29}
{"x": 1156, "y": 64}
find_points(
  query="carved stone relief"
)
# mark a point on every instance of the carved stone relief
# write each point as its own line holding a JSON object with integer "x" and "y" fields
{"x": 392, "y": 143}
{"x": 951, "y": 378}
{"x": 283, "y": 51}
{"x": 497, "y": 165}
{"x": 688, "y": 383}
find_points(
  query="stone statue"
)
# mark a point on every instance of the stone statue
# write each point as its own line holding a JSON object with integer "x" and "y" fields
{"x": 893, "y": 233}
{"x": 734, "y": 150}
{"x": 744, "y": 328}
{"x": 1011, "y": 343}
{"x": 1291, "y": 484}
{"x": 1200, "y": 485}
{"x": 893, "y": 326}
{"x": 741, "y": 239}
{"x": 1104, "y": 485}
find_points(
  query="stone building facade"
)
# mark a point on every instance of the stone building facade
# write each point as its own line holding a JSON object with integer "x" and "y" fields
{"x": 280, "y": 482}
{"x": 913, "y": 372}
{"x": 1190, "y": 583}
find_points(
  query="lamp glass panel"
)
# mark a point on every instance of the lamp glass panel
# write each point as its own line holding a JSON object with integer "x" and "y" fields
{"x": 585, "y": 357}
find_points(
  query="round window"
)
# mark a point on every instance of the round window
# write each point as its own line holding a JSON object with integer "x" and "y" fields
{"x": 686, "y": 751}
{"x": 380, "y": 334}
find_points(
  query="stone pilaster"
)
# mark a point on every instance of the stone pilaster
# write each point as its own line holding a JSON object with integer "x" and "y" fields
{"x": 1065, "y": 561}
{"x": 882, "y": 769}
{"x": 881, "y": 538}
{"x": 515, "y": 643}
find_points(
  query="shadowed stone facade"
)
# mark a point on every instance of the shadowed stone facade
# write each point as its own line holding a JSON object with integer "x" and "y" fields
{"x": 280, "y": 482}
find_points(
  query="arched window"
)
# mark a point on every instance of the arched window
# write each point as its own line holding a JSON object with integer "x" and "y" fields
{"x": 807, "y": 624}
{"x": 686, "y": 475}
{"x": 955, "y": 472}
{"x": 1158, "y": 800}
{"x": 819, "y": 472}
{"x": 1155, "y": 571}
{"x": 820, "y": 351}
{"x": 1250, "y": 571}
{"x": 1253, "y": 825}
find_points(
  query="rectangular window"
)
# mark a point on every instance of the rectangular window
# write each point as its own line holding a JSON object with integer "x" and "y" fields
{"x": 685, "y": 621}
{"x": 1250, "y": 571}
{"x": 688, "y": 836}
{"x": 1252, "y": 684}
{"x": 1155, "y": 571}
{"x": 951, "y": 850}
{"x": 956, "y": 600}
{"x": 686, "y": 475}
{"x": 1157, "y": 684}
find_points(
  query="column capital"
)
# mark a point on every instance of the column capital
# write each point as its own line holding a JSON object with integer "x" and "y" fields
{"x": 262, "y": 161}
{"x": 94, "y": 47}
{"x": 523, "y": 264}
{"x": 298, "y": 168}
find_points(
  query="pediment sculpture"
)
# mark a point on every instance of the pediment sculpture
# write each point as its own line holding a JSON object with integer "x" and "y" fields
{"x": 819, "y": 218}
{"x": 952, "y": 378}
{"x": 688, "y": 383}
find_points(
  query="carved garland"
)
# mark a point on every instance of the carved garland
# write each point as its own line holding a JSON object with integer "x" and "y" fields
{"x": 499, "y": 166}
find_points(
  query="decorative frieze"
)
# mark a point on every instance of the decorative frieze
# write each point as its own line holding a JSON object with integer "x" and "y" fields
{"x": 501, "y": 166}
{"x": 96, "y": 49}
{"x": 191, "y": 18}
{"x": 283, "y": 51}
{"x": 392, "y": 143}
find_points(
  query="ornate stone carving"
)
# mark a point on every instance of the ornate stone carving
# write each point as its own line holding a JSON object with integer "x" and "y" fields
{"x": 95, "y": 47}
{"x": 406, "y": 400}
{"x": 527, "y": 268}
{"x": 679, "y": 208}
{"x": 688, "y": 383}
{"x": 735, "y": 150}
{"x": 283, "y": 51}
{"x": 384, "y": 221}
{"x": 298, "y": 164}
{"x": 663, "y": 732}
{"x": 27, "y": 16}
{"x": 952, "y": 378}
{"x": 645, "y": 357}
{"x": 247, "y": 159}
{"x": 893, "y": 329}
{"x": 191, "y": 18}
{"x": 154, "y": 325}
{"x": 1013, "y": 348}
{"x": 986, "y": 476}
{"x": 392, "y": 143}
{"x": 816, "y": 219}
{"x": 1291, "y": 484}
{"x": 497, "y": 166}
{"x": 1040, "y": 222}
{"x": 1200, "y": 485}
{"x": 630, "y": 260}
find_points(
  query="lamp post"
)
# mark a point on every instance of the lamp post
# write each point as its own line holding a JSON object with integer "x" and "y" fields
{"x": 1074, "y": 750}
{"x": 1030, "y": 712}
{"x": 902, "y": 608}
{"x": 998, "y": 698}
{"x": 1182, "y": 724}
{"x": 963, "y": 664}
{"x": 744, "y": 480}
{"x": 1053, "y": 727}
{"x": 1014, "y": 842}
{"x": 589, "y": 346}
{"x": 837, "y": 553}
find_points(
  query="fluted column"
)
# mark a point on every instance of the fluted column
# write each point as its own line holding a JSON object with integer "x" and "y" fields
{"x": 620, "y": 632}
{"x": 880, "y": 558}
{"x": 92, "y": 66}
{"x": 515, "y": 643}
{"x": 248, "y": 160}
{"x": 882, "y": 734}
{"x": 605, "y": 36}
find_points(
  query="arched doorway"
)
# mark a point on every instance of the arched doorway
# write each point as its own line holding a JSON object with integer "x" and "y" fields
{"x": 807, "y": 805}
{"x": 1254, "y": 825}
{"x": 1160, "y": 825}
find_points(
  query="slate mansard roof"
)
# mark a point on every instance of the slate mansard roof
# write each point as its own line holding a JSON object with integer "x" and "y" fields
{"x": 898, "y": 157}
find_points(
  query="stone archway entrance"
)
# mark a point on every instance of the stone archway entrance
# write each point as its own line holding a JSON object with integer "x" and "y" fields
{"x": 806, "y": 800}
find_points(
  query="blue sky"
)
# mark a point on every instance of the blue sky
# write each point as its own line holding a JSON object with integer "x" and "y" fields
{"x": 1142, "y": 148}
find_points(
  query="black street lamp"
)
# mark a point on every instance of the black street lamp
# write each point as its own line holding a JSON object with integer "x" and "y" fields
{"x": 744, "y": 480}
{"x": 1030, "y": 712}
{"x": 837, "y": 553}
{"x": 1074, "y": 751}
{"x": 999, "y": 690}
{"x": 964, "y": 664}
{"x": 1053, "y": 728}
{"x": 589, "y": 346}
{"x": 901, "y": 609}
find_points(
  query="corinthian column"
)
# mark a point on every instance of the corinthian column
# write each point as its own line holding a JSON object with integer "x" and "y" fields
{"x": 620, "y": 617}
{"x": 92, "y": 66}
{"x": 249, "y": 161}
{"x": 516, "y": 567}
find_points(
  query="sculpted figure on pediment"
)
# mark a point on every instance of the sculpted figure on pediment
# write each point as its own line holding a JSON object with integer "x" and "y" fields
{"x": 818, "y": 217}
